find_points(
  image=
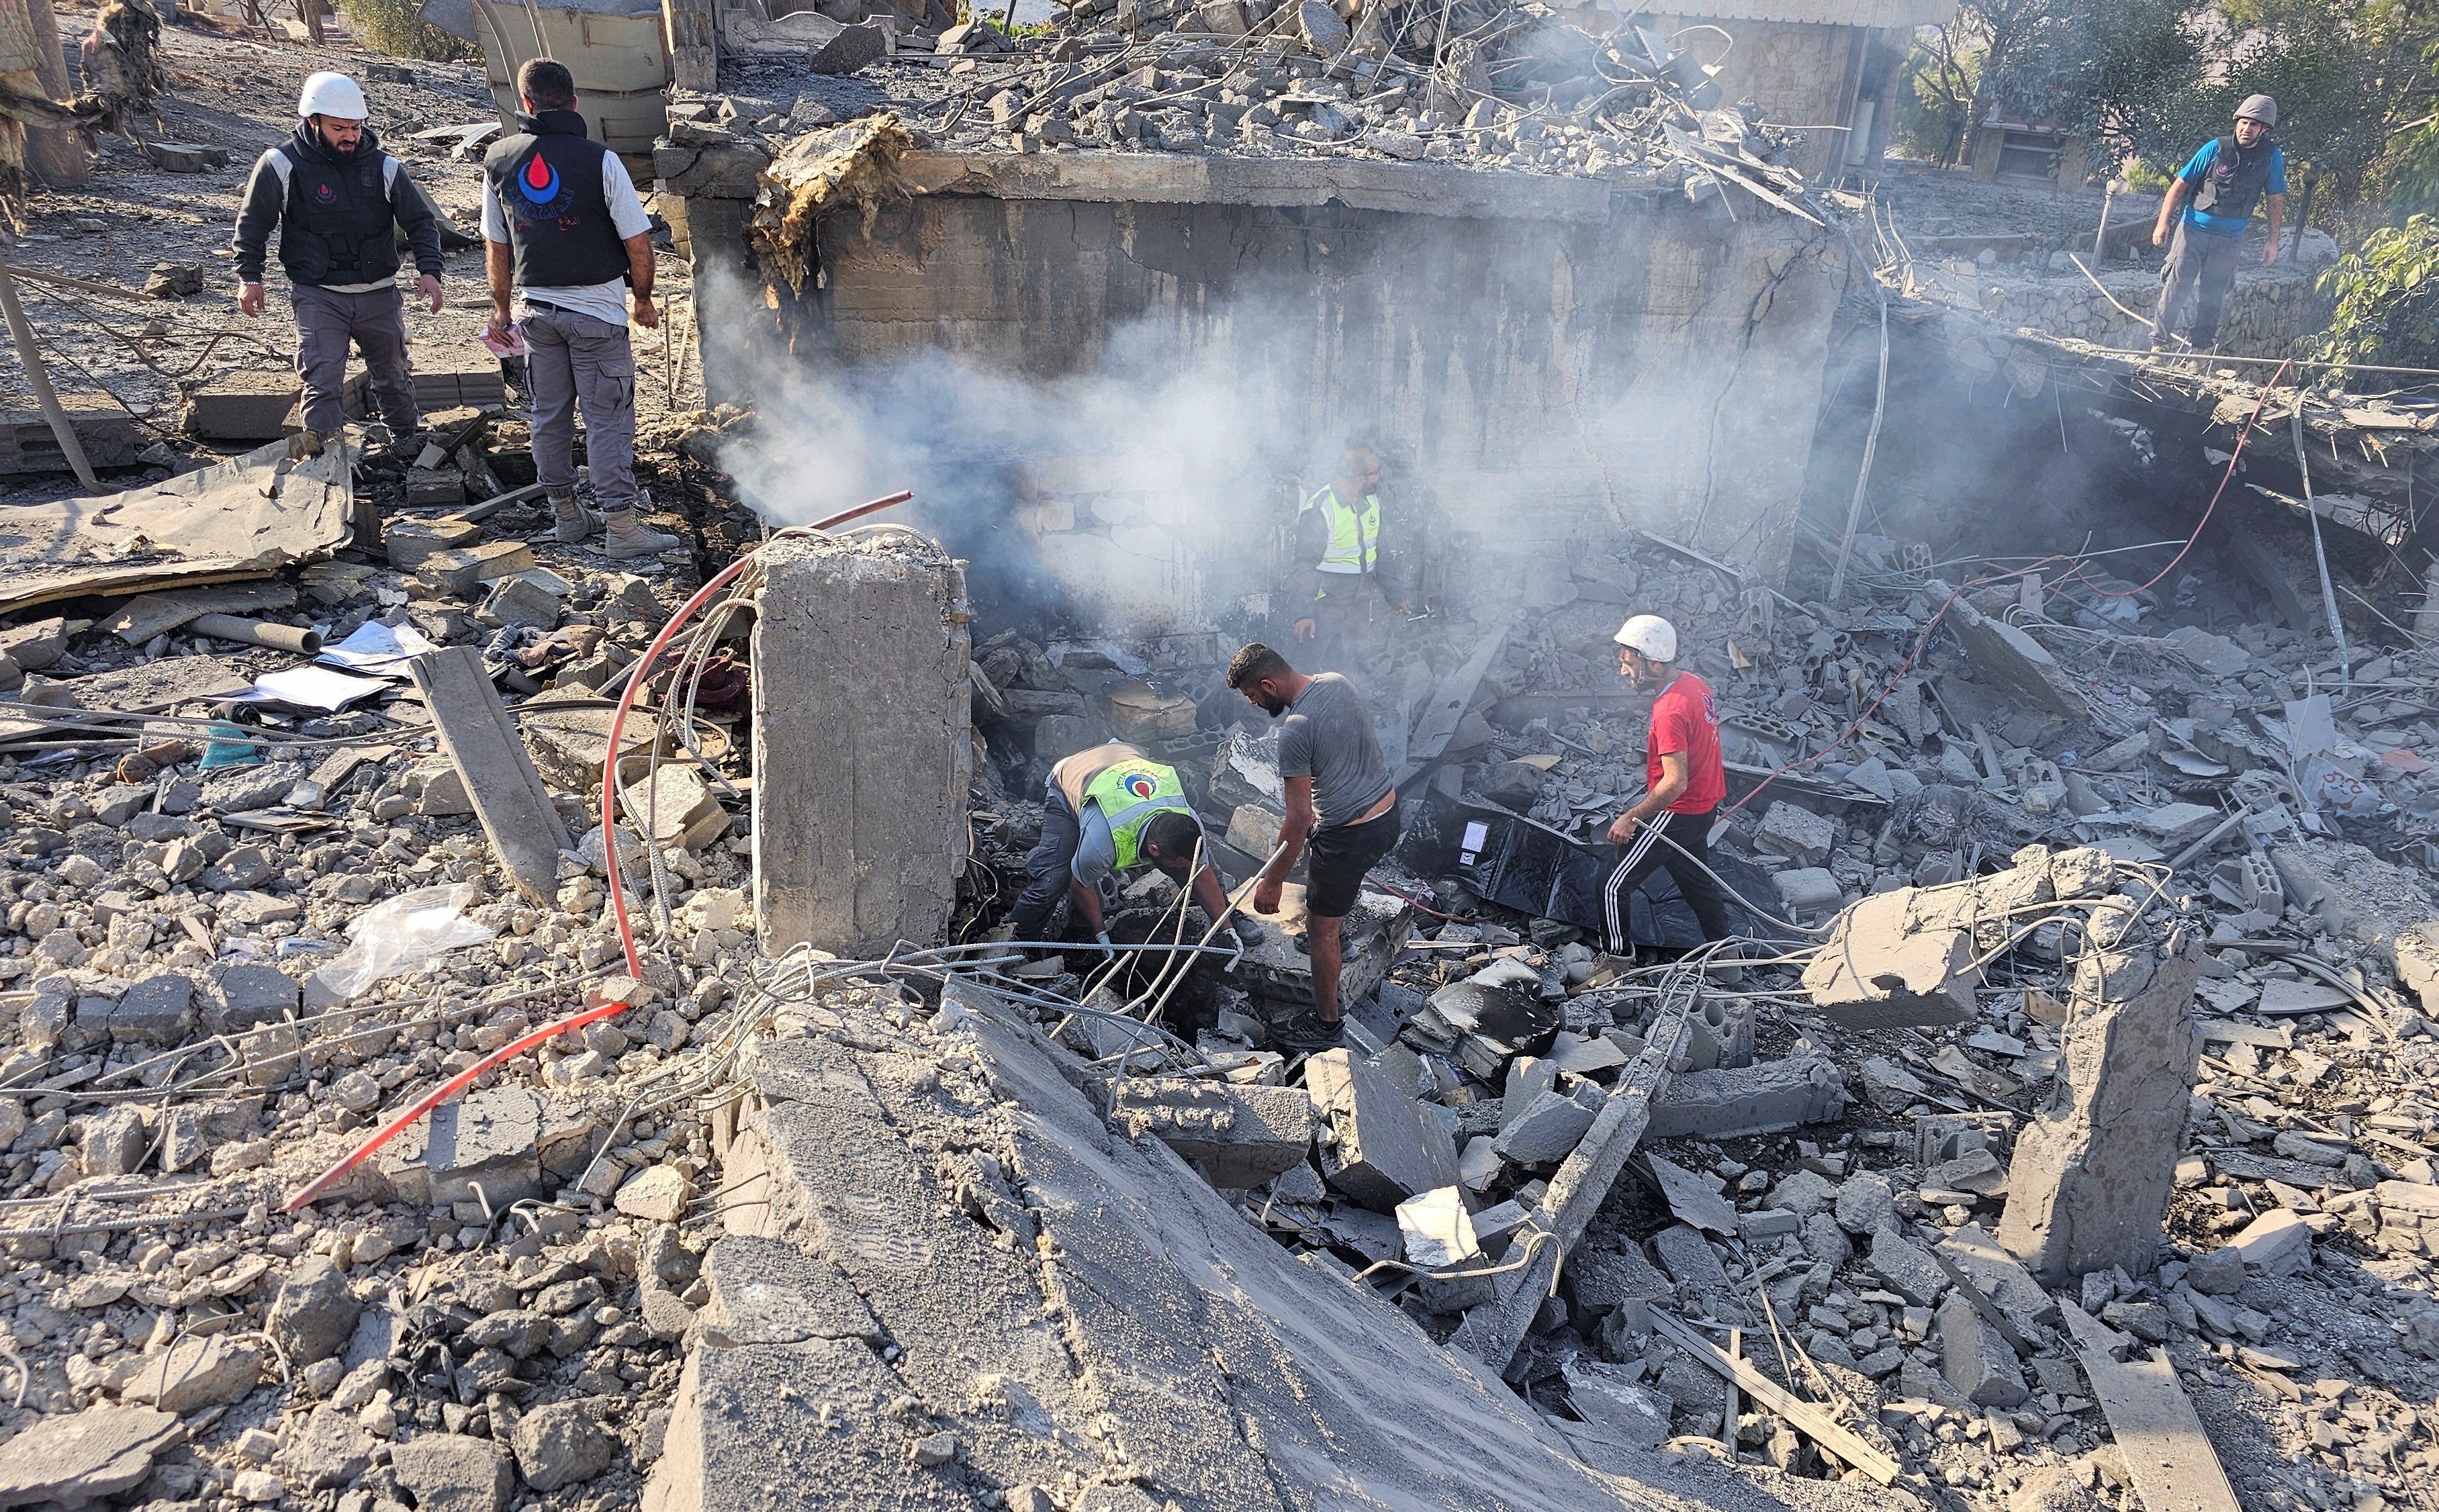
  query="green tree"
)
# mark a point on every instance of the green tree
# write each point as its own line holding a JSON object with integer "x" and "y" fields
{"x": 2387, "y": 292}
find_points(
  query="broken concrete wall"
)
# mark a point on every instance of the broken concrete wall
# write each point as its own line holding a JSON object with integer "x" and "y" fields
{"x": 2093, "y": 1169}
{"x": 995, "y": 1292}
{"x": 862, "y": 693}
{"x": 1558, "y": 358}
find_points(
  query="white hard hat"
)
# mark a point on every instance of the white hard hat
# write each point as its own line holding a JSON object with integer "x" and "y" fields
{"x": 1652, "y": 635}
{"x": 332, "y": 95}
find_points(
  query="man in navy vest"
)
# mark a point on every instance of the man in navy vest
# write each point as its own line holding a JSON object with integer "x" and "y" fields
{"x": 339, "y": 201}
{"x": 2217, "y": 193}
{"x": 563, "y": 222}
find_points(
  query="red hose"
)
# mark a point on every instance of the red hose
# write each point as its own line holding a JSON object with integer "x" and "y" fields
{"x": 443, "y": 1093}
{"x": 635, "y": 682}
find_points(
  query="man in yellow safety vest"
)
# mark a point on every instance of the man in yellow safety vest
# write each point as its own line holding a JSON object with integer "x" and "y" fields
{"x": 1106, "y": 811}
{"x": 1338, "y": 530}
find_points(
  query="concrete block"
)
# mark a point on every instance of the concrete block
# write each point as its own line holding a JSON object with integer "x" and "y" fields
{"x": 2279, "y": 1242}
{"x": 2217, "y": 1272}
{"x": 1809, "y": 894}
{"x": 679, "y": 807}
{"x": 1138, "y": 716}
{"x": 1881, "y": 969}
{"x": 1689, "y": 1260}
{"x": 525, "y": 598}
{"x": 1438, "y": 1231}
{"x": 1767, "y": 1223}
{"x": 2094, "y": 1169}
{"x": 244, "y": 406}
{"x": 186, "y": 157}
{"x": 1236, "y": 1136}
{"x": 1797, "y": 833}
{"x": 1866, "y": 1203}
{"x": 1803, "y": 1193}
{"x": 461, "y": 571}
{"x": 1255, "y": 830}
{"x": 1388, "y": 1149}
{"x": 1550, "y": 1127}
{"x": 1976, "y": 1359}
{"x": 490, "y": 1139}
{"x": 1610, "y": 1399}
{"x": 1972, "y": 1250}
{"x": 1528, "y": 1078}
{"x": 411, "y": 543}
{"x": 157, "y": 1010}
{"x": 839, "y": 618}
{"x": 1908, "y": 1269}
{"x": 1763, "y": 1099}
{"x": 194, "y": 1374}
{"x": 1605, "y": 1277}
{"x": 454, "y": 1472}
{"x": 428, "y": 487}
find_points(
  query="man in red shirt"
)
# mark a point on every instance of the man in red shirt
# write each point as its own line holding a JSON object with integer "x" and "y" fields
{"x": 1685, "y": 780}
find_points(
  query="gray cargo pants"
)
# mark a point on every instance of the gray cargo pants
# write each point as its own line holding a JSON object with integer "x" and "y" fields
{"x": 2201, "y": 269}
{"x": 578, "y": 358}
{"x": 375, "y": 321}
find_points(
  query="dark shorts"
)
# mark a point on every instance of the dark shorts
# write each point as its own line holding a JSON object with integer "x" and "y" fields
{"x": 1337, "y": 859}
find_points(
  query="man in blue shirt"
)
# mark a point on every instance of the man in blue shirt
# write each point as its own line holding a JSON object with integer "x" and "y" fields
{"x": 2216, "y": 192}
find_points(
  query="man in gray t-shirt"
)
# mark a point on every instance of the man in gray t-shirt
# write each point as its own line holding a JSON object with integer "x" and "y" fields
{"x": 1326, "y": 735}
{"x": 1342, "y": 801}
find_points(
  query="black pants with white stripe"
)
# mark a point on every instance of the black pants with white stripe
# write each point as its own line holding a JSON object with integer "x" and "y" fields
{"x": 1644, "y": 853}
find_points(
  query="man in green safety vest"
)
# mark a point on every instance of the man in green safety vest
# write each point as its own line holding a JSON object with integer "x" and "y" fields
{"x": 1106, "y": 810}
{"x": 1338, "y": 530}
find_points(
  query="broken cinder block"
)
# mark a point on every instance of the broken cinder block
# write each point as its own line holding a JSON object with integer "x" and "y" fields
{"x": 1236, "y": 1136}
{"x": 1765, "y": 1098}
{"x": 1388, "y": 1149}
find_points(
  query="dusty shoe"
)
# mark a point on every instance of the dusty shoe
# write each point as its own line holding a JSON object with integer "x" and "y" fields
{"x": 1309, "y": 1031}
{"x": 572, "y": 523}
{"x": 627, "y": 538}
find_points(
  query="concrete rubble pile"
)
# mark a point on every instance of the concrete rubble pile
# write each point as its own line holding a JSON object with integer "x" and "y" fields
{"x": 250, "y": 916}
{"x": 1488, "y": 86}
{"x": 1994, "y": 1136}
{"x": 2088, "y": 1014}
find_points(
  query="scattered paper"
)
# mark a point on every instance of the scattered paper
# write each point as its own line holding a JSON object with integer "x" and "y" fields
{"x": 312, "y": 688}
{"x": 381, "y": 649}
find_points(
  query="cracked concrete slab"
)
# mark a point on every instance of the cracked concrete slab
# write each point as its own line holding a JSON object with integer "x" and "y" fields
{"x": 1143, "y": 1334}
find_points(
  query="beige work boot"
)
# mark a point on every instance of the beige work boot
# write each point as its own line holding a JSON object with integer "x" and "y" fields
{"x": 572, "y": 523}
{"x": 627, "y": 538}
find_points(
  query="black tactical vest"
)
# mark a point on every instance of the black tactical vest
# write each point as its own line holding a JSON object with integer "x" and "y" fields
{"x": 336, "y": 226}
{"x": 2235, "y": 180}
{"x": 548, "y": 182}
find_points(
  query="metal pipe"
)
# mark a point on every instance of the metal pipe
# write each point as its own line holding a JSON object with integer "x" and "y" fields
{"x": 257, "y": 633}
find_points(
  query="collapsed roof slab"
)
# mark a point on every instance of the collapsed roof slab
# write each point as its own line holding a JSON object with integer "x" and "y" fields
{"x": 1557, "y": 356}
{"x": 1069, "y": 1309}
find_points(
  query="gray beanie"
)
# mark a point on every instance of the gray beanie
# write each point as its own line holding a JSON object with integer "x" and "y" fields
{"x": 2258, "y": 108}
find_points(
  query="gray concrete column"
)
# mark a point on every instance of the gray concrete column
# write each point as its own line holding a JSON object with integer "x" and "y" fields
{"x": 2093, "y": 1171}
{"x": 862, "y": 747}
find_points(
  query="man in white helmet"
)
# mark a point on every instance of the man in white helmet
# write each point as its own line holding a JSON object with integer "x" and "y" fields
{"x": 338, "y": 201}
{"x": 2212, "y": 203}
{"x": 1684, "y": 779}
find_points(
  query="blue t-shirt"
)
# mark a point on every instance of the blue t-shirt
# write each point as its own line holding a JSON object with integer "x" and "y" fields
{"x": 2227, "y": 225}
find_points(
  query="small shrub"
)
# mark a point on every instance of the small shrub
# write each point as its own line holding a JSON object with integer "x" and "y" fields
{"x": 393, "y": 27}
